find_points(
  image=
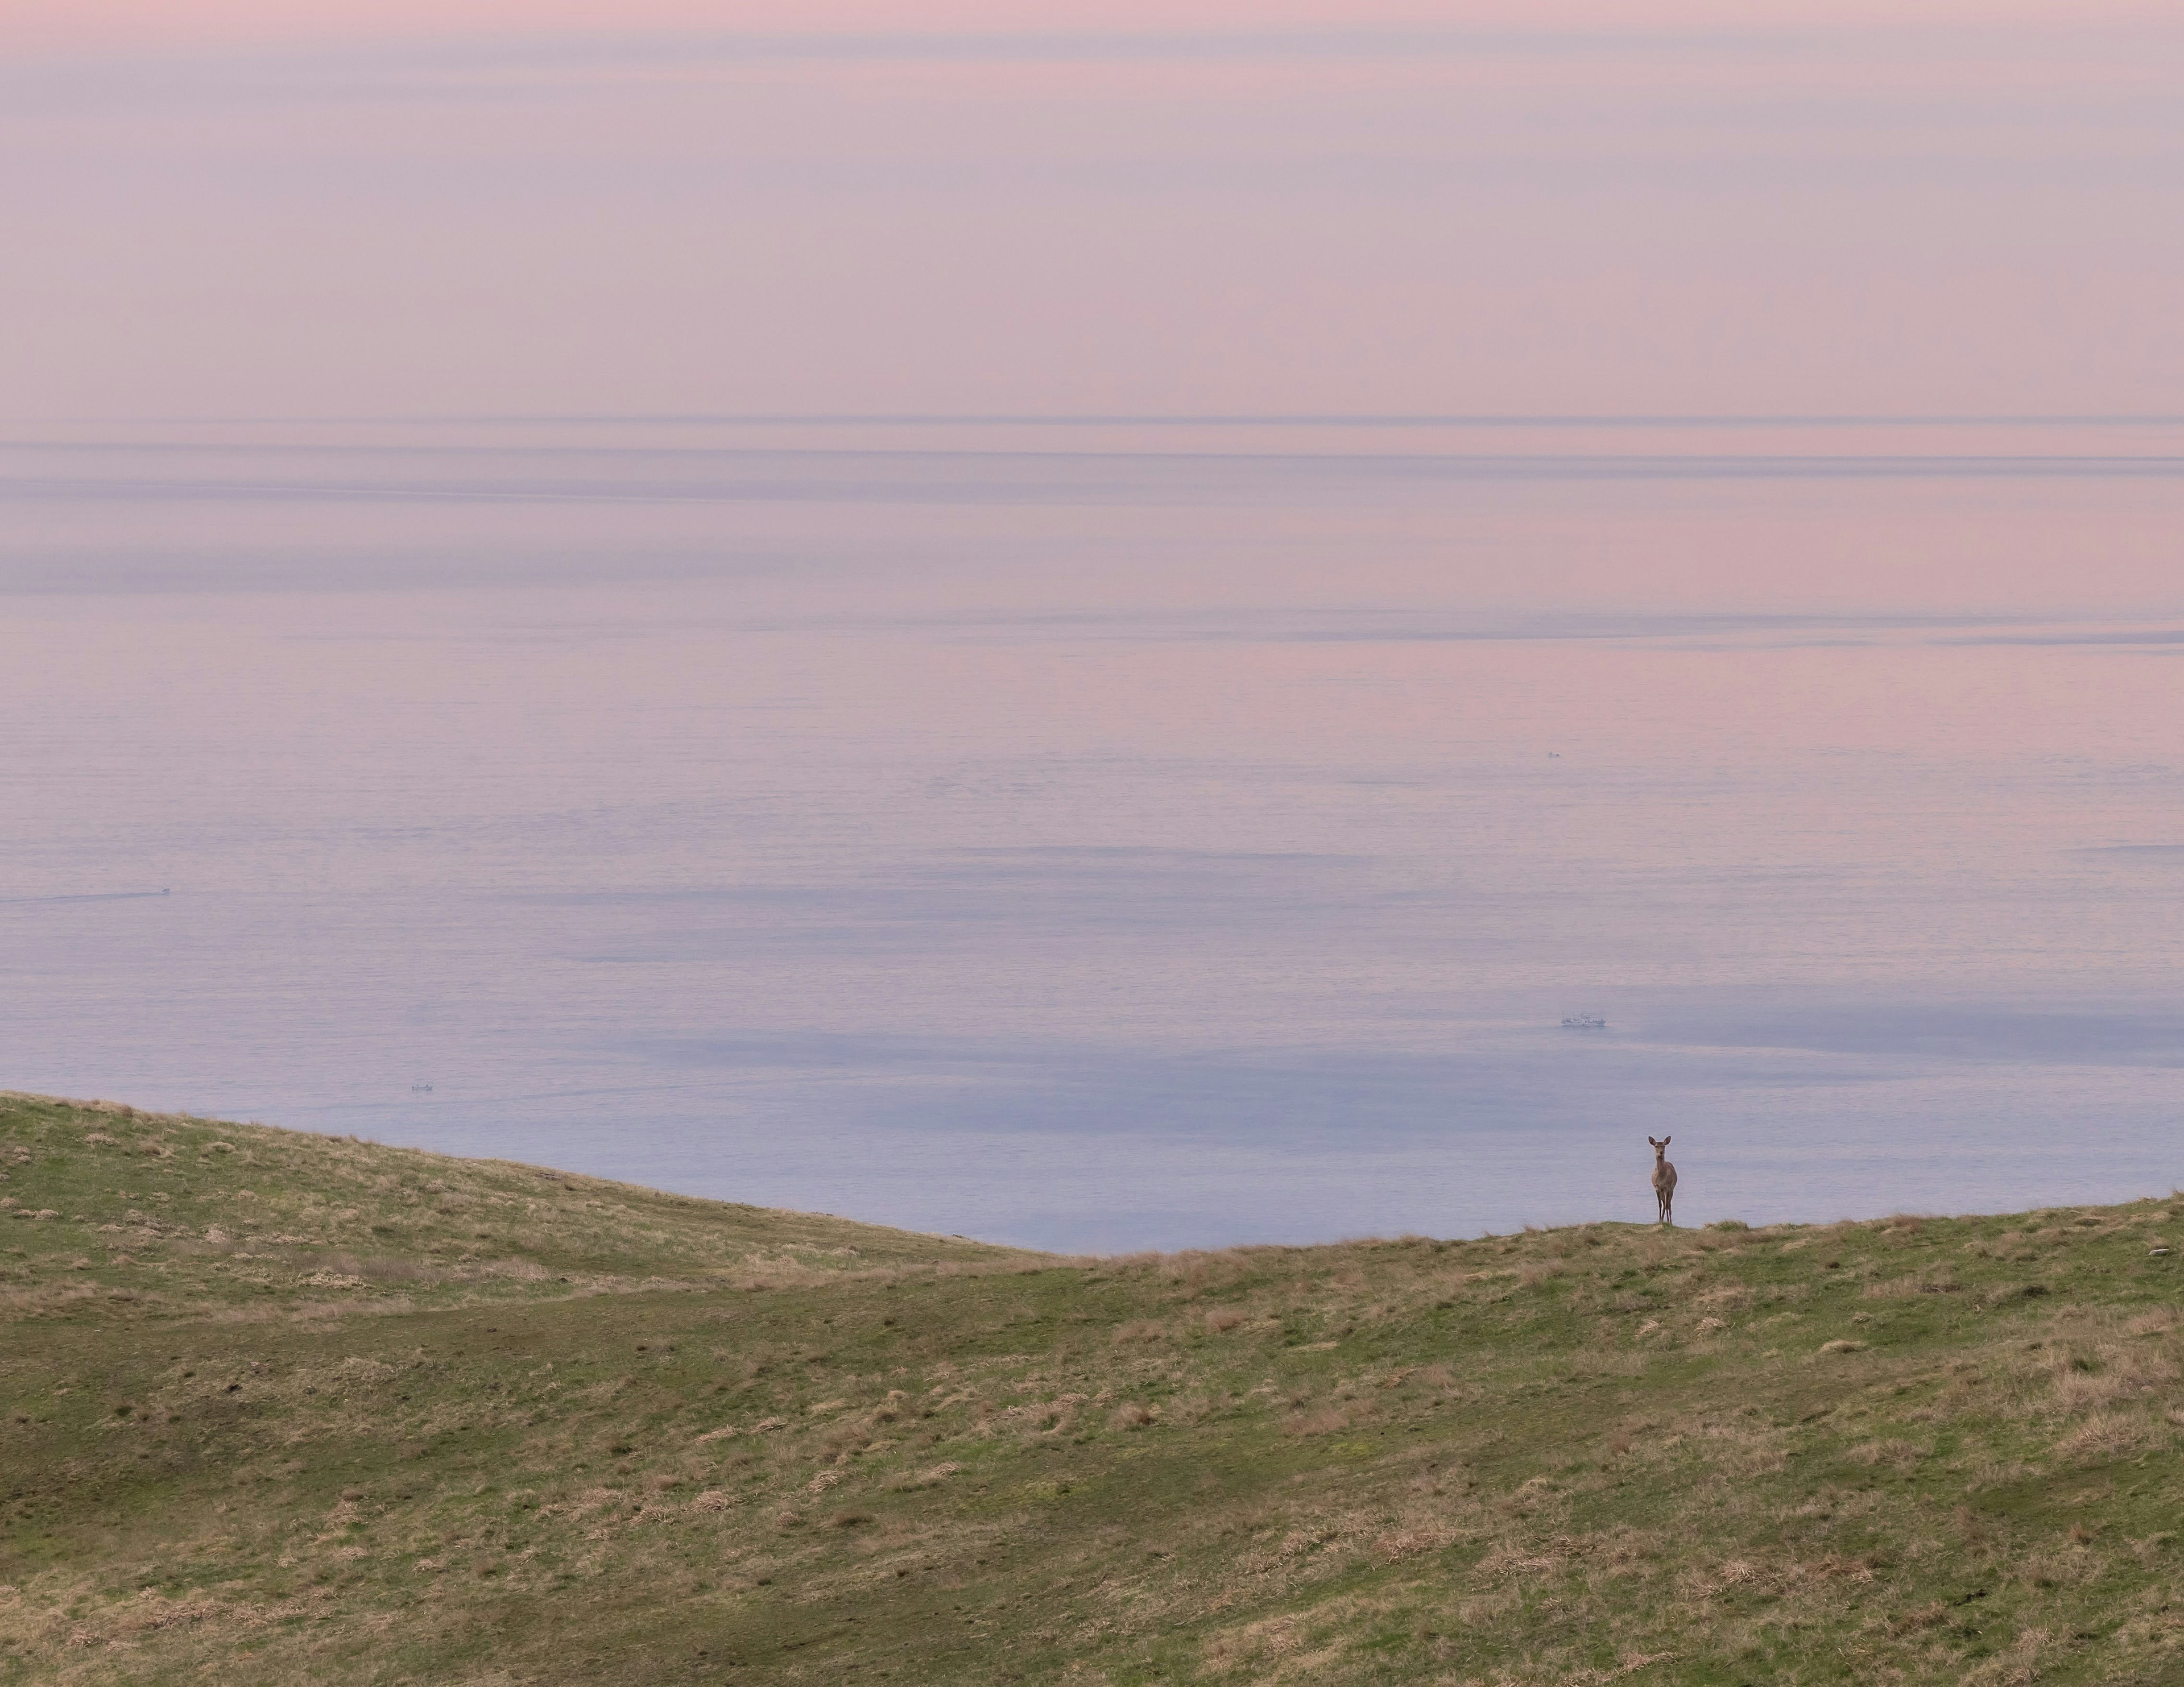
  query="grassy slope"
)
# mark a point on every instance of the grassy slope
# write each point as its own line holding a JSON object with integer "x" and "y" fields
{"x": 283, "y": 1408}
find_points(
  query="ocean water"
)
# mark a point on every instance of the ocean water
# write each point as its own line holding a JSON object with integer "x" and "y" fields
{"x": 1108, "y": 834}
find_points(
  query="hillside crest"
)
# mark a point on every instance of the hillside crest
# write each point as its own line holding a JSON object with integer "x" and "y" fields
{"x": 277, "y": 1407}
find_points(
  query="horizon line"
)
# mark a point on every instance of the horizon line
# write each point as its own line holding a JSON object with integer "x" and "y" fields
{"x": 1124, "y": 419}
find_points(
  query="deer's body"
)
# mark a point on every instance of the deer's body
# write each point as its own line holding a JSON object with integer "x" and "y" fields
{"x": 1664, "y": 1180}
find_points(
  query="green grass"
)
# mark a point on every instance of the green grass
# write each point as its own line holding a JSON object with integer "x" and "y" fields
{"x": 286, "y": 1408}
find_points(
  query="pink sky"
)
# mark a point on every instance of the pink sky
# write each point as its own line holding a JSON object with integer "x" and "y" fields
{"x": 44, "y": 22}
{"x": 472, "y": 206}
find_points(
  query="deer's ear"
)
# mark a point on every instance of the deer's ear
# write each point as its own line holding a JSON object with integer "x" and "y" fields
{"x": 1650, "y": 1143}
{"x": 1666, "y": 1140}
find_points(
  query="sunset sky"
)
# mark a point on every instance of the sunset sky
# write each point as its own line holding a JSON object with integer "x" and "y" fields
{"x": 568, "y": 208}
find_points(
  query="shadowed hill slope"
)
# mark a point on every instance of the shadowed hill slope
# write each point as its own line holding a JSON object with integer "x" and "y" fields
{"x": 279, "y": 1408}
{"x": 182, "y": 1211}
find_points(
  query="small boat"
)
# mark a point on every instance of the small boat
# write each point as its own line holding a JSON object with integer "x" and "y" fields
{"x": 1583, "y": 1022}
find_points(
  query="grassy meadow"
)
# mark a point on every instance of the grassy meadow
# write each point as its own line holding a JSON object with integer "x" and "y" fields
{"x": 286, "y": 1408}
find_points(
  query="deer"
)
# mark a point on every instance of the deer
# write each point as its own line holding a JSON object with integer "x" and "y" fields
{"x": 1664, "y": 1180}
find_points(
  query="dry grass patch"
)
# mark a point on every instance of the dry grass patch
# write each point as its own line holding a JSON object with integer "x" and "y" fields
{"x": 2107, "y": 1435}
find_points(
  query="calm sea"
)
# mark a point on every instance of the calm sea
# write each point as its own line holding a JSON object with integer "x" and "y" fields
{"x": 1114, "y": 834}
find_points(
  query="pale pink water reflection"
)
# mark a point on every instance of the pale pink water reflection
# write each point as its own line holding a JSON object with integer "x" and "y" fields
{"x": 1104, "y": 836}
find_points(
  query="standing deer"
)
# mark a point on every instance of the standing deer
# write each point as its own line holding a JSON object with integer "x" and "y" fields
{"x": 1664, "y": 1180}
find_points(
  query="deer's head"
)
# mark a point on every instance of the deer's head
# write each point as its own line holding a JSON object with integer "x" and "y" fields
{"x": 1659, "y": 1147}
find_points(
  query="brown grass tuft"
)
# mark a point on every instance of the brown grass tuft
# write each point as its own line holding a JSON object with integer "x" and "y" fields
{"x": 2108, "y": 1436}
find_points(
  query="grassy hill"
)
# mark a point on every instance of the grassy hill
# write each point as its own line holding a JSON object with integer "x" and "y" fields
{"x": 283, "y": 1408}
